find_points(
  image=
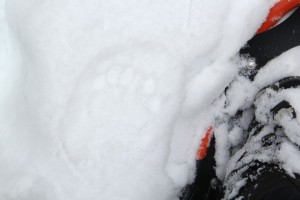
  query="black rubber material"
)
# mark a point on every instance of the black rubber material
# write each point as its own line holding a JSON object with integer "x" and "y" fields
{"x": 288, "y": 82}
{"x": 272, "y": 183}
{"x": 265, "y": 46}
{"x": 201, "y": 188}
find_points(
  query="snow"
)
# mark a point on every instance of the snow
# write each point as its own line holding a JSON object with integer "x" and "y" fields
{"x": 109, "y": 99}
{"x": 238, "y": 185}
{"x": 230, "y": 132}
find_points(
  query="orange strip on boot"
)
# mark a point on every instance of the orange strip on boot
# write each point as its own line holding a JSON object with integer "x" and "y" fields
{"x": 277, "y": 12}
{"x": 205, "y": 144}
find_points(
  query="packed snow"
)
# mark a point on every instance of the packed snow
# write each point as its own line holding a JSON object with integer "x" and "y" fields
{"x": 108, "y": 100}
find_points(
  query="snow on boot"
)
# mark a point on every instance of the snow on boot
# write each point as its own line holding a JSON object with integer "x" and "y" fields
{"x": 235, "y": 109}
{"x": 263, "y": 156}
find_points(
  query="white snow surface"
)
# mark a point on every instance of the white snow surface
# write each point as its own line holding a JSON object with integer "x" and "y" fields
{"x": 108, "y": 100}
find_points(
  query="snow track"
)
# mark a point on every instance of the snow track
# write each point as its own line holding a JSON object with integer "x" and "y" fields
{"x": 107, "y": 100}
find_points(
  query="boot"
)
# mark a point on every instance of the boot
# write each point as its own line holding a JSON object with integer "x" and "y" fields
{"x": 261, "y": 165}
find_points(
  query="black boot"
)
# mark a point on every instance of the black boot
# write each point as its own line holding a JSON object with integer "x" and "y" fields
{"x": 261, "y": 169}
